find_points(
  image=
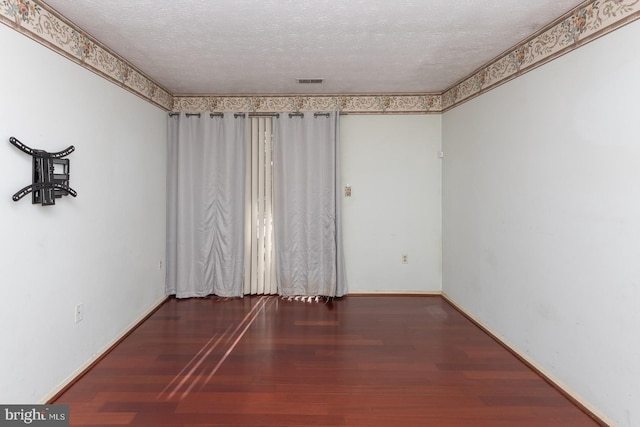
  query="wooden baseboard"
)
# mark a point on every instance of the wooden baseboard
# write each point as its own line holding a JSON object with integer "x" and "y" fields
{"x": 584, "y": 406}
{"x": 394, "y": 293}
{"x": 89, "y": 364}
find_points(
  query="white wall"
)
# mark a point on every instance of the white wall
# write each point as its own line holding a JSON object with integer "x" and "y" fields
{"x": 391, "y": 164}
{"x": 541, "y": 208}
{"x": 102, "y": 248}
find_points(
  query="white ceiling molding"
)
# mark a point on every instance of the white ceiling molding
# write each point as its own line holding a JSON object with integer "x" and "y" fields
{"x": 585, "y": 23}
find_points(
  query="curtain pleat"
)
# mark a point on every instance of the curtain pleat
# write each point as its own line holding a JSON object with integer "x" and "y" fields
{"x": 307, "y": 222}
{"x": 205, "y": 207}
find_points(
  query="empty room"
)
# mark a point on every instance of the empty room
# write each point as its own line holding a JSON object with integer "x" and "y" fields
{"x": 340, "y": 213}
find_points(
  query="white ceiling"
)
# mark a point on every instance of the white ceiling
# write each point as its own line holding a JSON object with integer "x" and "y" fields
{"x": 357, "y": 46}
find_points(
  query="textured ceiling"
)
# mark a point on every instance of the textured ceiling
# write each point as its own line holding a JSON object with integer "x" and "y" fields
{"x": 356, "y": 46}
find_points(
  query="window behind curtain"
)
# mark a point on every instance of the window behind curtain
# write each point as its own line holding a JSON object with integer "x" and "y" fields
{"x": 259, "y": 277}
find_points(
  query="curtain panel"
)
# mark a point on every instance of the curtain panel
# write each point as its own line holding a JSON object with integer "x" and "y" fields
{"x": 307, "y": 217}
{"x": 205, "y": 205}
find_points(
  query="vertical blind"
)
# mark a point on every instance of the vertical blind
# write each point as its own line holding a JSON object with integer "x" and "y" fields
{"x": 259, "y": 273}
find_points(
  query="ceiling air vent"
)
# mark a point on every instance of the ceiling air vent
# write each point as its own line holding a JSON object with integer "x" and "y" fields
{"x": 309, "y": 81}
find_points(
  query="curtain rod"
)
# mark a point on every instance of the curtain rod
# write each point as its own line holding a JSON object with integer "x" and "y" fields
{"x": 236, "y": 115}
{"x": 222, "y": 114}
{"x": 276, "y": 115}
{"x": 197, "y": 114}
{"x": 316, "y": 115}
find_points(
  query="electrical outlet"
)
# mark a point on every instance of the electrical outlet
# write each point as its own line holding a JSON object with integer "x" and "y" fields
{"x": 160, "y": 265}
{"x": 405, "y": 259}
{"x": 79, "y": 312}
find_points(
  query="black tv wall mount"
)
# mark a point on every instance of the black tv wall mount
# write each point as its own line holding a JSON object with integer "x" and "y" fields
{"x": 50, "y": 175}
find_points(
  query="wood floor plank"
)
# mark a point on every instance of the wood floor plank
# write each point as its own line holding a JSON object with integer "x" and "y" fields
{"x": 374, "y": 361}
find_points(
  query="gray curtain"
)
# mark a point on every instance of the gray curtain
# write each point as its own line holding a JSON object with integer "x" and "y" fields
{"x": 205, "y": 205}
{"x": 307, "y": 222}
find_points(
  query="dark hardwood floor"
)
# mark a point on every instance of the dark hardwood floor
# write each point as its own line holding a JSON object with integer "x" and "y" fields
{"x": 358, "y": 361}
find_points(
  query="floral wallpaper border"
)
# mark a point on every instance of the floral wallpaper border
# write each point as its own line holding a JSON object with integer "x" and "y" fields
{"x": 343, "y": 103}
{"x": 585, "y": 23}
{"x": 590, "y": 20}
{"x": 42, "y": 24}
